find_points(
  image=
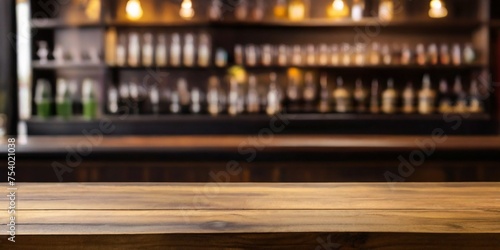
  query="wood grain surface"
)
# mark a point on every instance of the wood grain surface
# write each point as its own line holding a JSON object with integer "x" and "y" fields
{"x": 277, "y": 143}
{"x": 184, "y": 208}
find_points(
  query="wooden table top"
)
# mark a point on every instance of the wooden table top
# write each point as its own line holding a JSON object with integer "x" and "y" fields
{"x": 188, "y": 208}
{"x": 231, "y": 144}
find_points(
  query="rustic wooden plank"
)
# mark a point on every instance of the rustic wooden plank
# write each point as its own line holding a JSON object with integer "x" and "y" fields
{"x": 291, "y": 241}
{"x": 247, "y": 196}
{"x": 102, "y": 222}
{"x": 279, "y": 143}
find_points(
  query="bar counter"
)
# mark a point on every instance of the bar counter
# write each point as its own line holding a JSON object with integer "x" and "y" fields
{"x": 455, "y": 215}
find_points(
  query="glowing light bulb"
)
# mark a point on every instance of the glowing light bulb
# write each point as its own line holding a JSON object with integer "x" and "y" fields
{"x": 134, "y": 10}
{"x": 338, "y": 5}
{"x": 438, "y": 9}
{"x": 187, "y": 11}
{"x": 338, "y": 9}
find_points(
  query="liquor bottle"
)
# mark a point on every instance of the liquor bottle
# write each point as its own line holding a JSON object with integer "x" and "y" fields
{"x": 346, "y": 54}
{"x": 335, "y": 54}
{"x": 476, "y": 103}
{"x": 175, "y": 106}
{"x": 360, "y": 97}
{"x": 359, "y": 57}
{"x": 386, "y": 54}
{"x": 220, "y": 57}
{"x": 409, "y": 99}
{"x": 238, "y": 54}
{"x": 357, "y": 10}
{"x": 273, "y": 96}
{"x": 421, "y": 55}
{"x": 58, "y": 54}
{"x": 251, "y": 55}
{"x": 389, "y": 98}
{"x": 147, "y": 50}
{"x": 297, "y": 55}
{"x": 456, "y": 55}
{"x": 258, "y": 10}
{"x": 293, "y": 93}
{"x": 43, "y": 52}
{"x": 188, "y": 51}
{"x": 43, "y": 98}
{"x": 433, "y": 54}
{"x": 89, "y": 99}
{"x": 121, "y": 51}
{"x": 444, "y": 98}
{"x": 322, "y": 54}
{"x": 124, "y": 100}
{"x": 267, "y": 55}
{"x": 133, "y": 49}
{"x": 253, "y": 98}
{"x": 204, "y": 50}
{"x": 342, "y": 97}
{"x": 214, "y": 10}
{"x": 444, "y": 54}
{"x": 134, "y": 100}
{"x": 426, "y": 97}
{"x": 213, "y": 96}
{"x": 280, "y": 9}
{"x": 233, "y": 97}
{"x": 460, "y": 95}
{"x": 113, "y": 100}
{"x": 386, "y": 10}
{"x": 310, "y": 55}
{"x": 310, "y": 93}
{"x": 241, "y": 11}
{"x": 165, "y": 98}
{"x": 374, "y": 98}
{"x": 175, "y": 50}
{"x": 375, "y": 54}
{"x": 64, "y": 104}
{"x": 282, "y": 55}
{"x": 469, "y": 54}
{"x": 184, "y": 95}
{"x": 154, "y": 99}
{"x": 161, "y": 51}
{"x": 324, "y": 102}
{"x": 296, "y": 10}
{"x": 196, "y": 101}
{"x": 406, "y": 56}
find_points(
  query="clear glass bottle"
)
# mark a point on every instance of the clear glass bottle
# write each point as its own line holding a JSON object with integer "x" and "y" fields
{"x": 161, "y": 51}
{"x": 43, "y": 52}
{"x": 251, "y": 55}
{"x": 238, "y": 54}
{"x": 342, "y": 97}
{"x": 147, "y": 50}
{"x": 421, "y": 55}
{"x": 323, "y": 53}
{"x": 346, "y": 54}
{"x": 220, "y": 58}
{"x": 241, "y": 11}
{"x": 409, "y": 99}
{"x": 188, "y": 52}
{"x": 196, "y": 101}
{"x": 375, "y": 98}
{"x": 296, "y": 10}
{"x": 433, "y": 54}
{"x": 360, "y": 96}
{"x": 233, "y": 97}
{"x": 253, "y": 97}
{"x": 406, "y": 55}
{"x": 310, "y": 55}
{"x": 213, "y": 96}
{"x": 204, "y": 54}
{"x": 426, "y": 97}
{"x": 386, "y": 54}
{"x": 335, "y": 55}
{"x": 282, "y": 55}
{"x": 113, "y": 100}
{"x": 359, "y": 58}
{"x": 476, "y": 104}
{"x": 154, "y": 99}
{"x": 389, "y": 98}
{"x": 461, "y": 96}
{"x": 375, "y": 54}
{"x": 444, "y": 56}
{"x": 133, "y": 49}
{"x": 175, "y": 107}
{"x": 214, "y": 10}
{"x": 267, "y": 55}
{"x": 273, "y": 96}
{"x": 357, "y": 10}
{"x": 297, "y": 55}
{"x": 175, "y": 50}
{"x": 184, "y": 95}
{"x": 258, "y": 10}
{"x": 456, "y": 55}
{"x": 310, "y": 93}
{"x": 469, "y": 54}
{"x": 386, "y": 10}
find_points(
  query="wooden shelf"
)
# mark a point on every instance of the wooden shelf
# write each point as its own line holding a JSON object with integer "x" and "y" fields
{"x": 57, "y": 23}
{"x": 51, "y": 65}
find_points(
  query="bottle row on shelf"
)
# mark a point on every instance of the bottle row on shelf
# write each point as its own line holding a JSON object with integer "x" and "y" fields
{"x": 63, "y": 55}
{"x": 307, "y": 96}
{"x": 69, "y": 101}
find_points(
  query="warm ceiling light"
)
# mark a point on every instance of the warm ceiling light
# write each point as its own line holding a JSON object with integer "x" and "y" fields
{"x": 438, "y": 9}
{"x": 338, "y": 5}
{"x": 338, "y": 9}
{"x": 187, "y": 11}
{"x": 134, "y": 10}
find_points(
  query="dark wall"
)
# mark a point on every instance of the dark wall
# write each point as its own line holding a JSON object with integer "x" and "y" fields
{"x": 7, "y": 62}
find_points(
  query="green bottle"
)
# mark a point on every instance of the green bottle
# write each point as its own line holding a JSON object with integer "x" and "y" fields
{"x": 43, "y": 98}
{"x": 64, "y": 103}
{"x": 89, "y": 100}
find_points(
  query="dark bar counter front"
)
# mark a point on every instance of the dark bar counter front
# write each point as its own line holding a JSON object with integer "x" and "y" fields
{"x": 250, "y": 124}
